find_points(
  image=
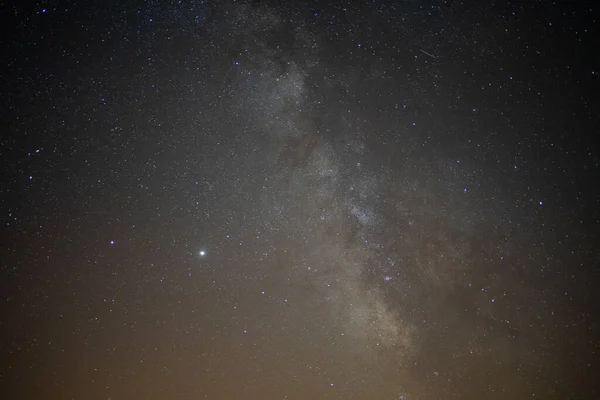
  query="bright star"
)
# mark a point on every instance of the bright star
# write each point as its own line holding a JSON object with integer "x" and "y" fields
{"x": 202, "y": 253}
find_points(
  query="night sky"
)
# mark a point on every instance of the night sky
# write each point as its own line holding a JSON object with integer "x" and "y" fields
{"x": 281, "y": 200}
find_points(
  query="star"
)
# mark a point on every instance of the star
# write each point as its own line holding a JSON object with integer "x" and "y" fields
{"x": 327, "y": 156}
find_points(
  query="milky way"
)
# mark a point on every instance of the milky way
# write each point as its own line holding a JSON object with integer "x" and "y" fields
{"x": 293, "y": 201}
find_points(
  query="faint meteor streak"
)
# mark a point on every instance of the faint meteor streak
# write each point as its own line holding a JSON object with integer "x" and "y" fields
{"x": 429, "y": 54}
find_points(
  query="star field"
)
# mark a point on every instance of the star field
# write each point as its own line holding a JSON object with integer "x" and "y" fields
{"x": 298, "y": 200}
